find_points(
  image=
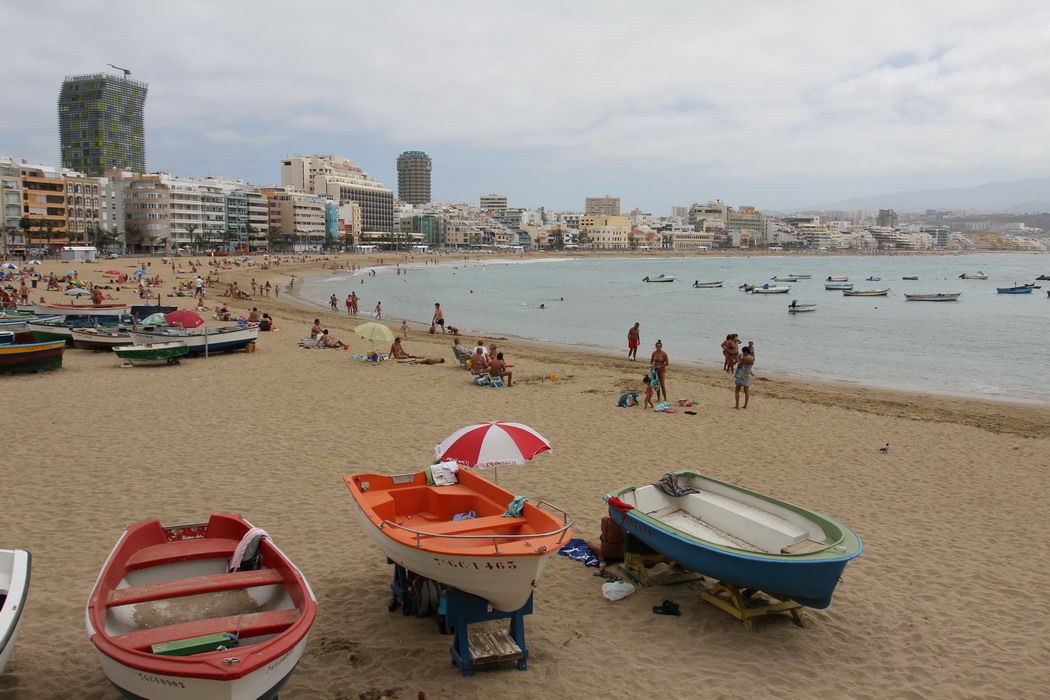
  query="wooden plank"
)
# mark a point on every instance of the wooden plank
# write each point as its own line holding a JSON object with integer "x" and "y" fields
{"x": 195, "y": 585}
{"x": 804, "y": 547}
{"x": 492, "y": 647}
{"x": 247, "y": 625}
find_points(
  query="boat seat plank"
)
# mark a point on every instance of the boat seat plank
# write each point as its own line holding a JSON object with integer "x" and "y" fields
{"x": 181, "y": 550}
{"x": 247, "y": 625}
{"x": 465, "y": 527}
{"x": 196, "y": 585}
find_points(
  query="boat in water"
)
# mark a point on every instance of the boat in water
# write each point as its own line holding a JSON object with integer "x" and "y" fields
{"x": 873, "y": 279}
{"x": 802, "y": 277}
{"x": 1019, "y": 289}
{"x": 707, "y": 285}
{"x": 786, "y": 278}
{"x": 202, "y": 339}
{"x": 204, "y": 611}
{"x": 909, "y": 278}
{"x": 492, "y": 556}
{"x": 796, "y": 308}
{"x": 767, "y": 289}
{"x": 19, "y": 358}
{"x": 661, "y": 278}
{"x": 738, "y": 536}
{"x": 951, "y": 296}
{"x": 837, "y": 279}
{"x": 15, "y": 565}
{"x": 838, "y": 286}
{"x": 973, "y": 276}
{"x": 865, "y": 292}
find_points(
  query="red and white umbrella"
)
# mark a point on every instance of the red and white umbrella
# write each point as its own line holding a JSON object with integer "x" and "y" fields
{"x": 492, "y": 444}
{"x": 184, "y": 319}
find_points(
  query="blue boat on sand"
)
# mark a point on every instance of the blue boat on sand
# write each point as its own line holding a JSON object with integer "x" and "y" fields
{"x": 738, "y": 536}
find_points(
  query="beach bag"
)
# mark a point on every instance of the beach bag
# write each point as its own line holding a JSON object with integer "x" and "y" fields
{"x": 481, "y": 381}
{"x": 627, "y": 400}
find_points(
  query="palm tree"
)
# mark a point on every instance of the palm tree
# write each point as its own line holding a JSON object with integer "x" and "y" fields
{"x": 274, "y": 238}
{"x": 191, "y": 229}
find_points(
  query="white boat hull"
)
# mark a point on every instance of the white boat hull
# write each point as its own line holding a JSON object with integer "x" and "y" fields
{"x": 217, "y": 338}
{"x": 659, "y": 279}
{"x": 771, "y": 290}
{"x": 264, "y": 682}
{"x": 507, "y": 584}
{"x": 14, "y": 584}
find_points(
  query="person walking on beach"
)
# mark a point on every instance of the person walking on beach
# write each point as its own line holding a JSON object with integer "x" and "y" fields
{"x": 743, "y": 374}
{"x": 659, "y": 361}
{"x": 439, "y": 317}
{"x": 379, "y": 310}
{"x": 349, "y": 305}
{"x": 354, "y": 298}
{"x": 334, "y": 303}
{"x": 633, "y": 339}
{"x": 198, "y": 286}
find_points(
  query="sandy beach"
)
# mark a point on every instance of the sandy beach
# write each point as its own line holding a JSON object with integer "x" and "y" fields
{"x": 943, "y": 602}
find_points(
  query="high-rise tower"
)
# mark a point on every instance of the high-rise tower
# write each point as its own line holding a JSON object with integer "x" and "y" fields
{"x": 100, "y": 123}
{"x": 413, "y": 177}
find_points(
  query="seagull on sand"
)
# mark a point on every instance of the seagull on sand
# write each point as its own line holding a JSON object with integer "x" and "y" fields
{"x": 885, "y": 448}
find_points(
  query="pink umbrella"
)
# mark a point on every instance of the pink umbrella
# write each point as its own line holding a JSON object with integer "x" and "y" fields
{"x": 183, "y": 319}
{"x": 492, "y": 444}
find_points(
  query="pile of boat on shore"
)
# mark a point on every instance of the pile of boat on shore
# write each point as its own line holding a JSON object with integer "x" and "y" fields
{"x": 215, "y": 610}
{"x": 33, "y": 337}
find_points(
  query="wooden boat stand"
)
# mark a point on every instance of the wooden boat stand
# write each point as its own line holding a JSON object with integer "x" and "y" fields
{"x": 741, "y": 603}
{"x": 456, "y": 611}
{"x": 738, "y": 604}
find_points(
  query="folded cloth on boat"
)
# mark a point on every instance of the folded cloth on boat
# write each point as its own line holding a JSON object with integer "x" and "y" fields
{"x": 669, "y": 485}
{"x": 577, "y": 550}
{"x": 469, "y": 515}
{"x": 237, "y": 560}
{"x": 444, "y": 474}
{"x": 514, "y": 507}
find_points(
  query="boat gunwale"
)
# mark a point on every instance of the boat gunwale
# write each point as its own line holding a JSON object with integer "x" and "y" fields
{"x": 23, "y": 593}
{"x": 567, "y": 522}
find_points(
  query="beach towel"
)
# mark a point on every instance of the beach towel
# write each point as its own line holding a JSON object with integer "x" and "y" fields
{"x": 669, "y": 485}
{"x": 469, "y": 515}
{"x": 664, "y": 407}
{"x": 577, "y": 550}
{"x": 444, "y": 474}
{"x": 514, "y": 507}
{"x": 654, "y": 378}
{"x": 239, "y": 558}
{"x": 627, "y": 400}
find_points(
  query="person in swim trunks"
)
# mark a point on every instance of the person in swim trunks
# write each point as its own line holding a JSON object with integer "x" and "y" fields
{"x": 743, "y": 374}
{"x": 633, "y": 339}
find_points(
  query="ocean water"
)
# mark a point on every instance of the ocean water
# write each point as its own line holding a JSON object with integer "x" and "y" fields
{"x": 986, "y": 344}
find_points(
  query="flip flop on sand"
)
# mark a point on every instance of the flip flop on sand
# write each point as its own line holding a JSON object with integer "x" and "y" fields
{"x": 668, "y": 608}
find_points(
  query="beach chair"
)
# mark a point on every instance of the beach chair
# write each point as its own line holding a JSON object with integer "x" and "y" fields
{"x": 461, "y": 357}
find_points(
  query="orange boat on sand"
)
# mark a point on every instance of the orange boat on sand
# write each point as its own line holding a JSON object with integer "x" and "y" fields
{"x": 491, "y": 556}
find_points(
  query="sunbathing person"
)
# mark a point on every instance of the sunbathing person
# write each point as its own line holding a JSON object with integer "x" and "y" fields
{"x": 399, "y": 353}
{"x": 479, "y": 364}
{"x": 428, "y": 361}
{"x": 317, "y": 329}
{"x": 329, "y": 342}
{"x": 498, "y": 368}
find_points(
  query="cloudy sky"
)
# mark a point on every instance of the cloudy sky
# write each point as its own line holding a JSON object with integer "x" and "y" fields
{"x": 768, "y": 103}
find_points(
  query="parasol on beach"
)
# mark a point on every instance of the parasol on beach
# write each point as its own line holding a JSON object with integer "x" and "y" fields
{"x": 141, "y": 272}
{"x": 492, "y": 444}
{"x": 9, "y": 266}
{"x": 373, "y": 331}
{"x": 184, "y": 319}
{"x": 34, "y": 262}
{"x": 77, "y": 293}
{"x": 111, "y": 272}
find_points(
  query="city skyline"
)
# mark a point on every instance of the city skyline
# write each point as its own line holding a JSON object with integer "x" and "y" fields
{"x": 770, "y": 105}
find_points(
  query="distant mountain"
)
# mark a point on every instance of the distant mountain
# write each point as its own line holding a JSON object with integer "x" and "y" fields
{"x": 1029, "y": 195}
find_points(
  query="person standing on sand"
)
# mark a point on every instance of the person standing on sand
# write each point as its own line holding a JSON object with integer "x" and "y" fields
{"x": 659, "y": 361}
{"x": 334, "y": 303}
{"x": 404, "y": 328}
{"x": 743, "y": 374}
{"x": 439, "y": 317}
{"x": 633, "y": 339}
{"x": 379, "y": 310}
{"x": 354, "y": 298}
{"x": 728, "y": 353}
{"x": 349, "y": 304}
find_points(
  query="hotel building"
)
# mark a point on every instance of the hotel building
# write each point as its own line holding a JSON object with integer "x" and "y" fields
{"x": 342, "y": 181}
{"x": 413, "y": 177}
{"x": 100, "y": 123}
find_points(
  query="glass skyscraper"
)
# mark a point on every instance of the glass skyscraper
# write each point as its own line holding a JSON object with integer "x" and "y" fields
{"x": 413, "y": 177}
{"x": 100, "y": 123}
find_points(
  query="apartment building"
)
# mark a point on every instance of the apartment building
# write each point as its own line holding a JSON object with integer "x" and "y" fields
{"x": 494, "y": 203}
{"x": 100, "y": 123}
{"x": 602, "y": 206}
{"x": 337, "y": 178}
{"x": 413, "y": 177}
{"x": 302, "y": 219}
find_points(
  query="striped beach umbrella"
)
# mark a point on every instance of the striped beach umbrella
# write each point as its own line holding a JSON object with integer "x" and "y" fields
{"x": 492, "y": 444}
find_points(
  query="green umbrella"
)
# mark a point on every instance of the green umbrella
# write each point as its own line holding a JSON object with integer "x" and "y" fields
{"x": 373, "y": 331}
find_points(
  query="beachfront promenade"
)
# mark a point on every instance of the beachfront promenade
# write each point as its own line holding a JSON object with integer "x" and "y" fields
{"x": 271, "y": 433}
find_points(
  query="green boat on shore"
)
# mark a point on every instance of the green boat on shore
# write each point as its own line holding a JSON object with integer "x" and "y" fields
{"x": 169, "y": 352}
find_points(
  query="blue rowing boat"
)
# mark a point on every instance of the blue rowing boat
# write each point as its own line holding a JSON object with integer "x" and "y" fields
{"x": 738, "y": 536}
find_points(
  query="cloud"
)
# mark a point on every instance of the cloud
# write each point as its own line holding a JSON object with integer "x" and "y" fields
{"x": 757, "y": 91}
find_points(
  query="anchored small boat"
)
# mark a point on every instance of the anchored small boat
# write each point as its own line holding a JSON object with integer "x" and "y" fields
{"x": 1043, "y": 277}
{"x": 933, "y": 297}
{"x": 796, "y": 308}
{"x": 169, "y": 352}
{"x": 1020, "y": 289}
{"x": 14, "y": 587}
{"x": 707, "y": 285}
{"x": 202, "y": 611}
{"x": 738, "y": 536}
{"x": 199, "y": 340}
{"x": 31, "y": 357}
{"x": 838, "y": 285}
{"x": 491, "y": 556}
{"x": 865, "y": 292}
{"x": 786, "y": 278}
{"x": 767, "y": 289}
{"x": 909, "y": 278}
{"x": 661, "y": 278}
{"x": 836, "y": 279}
{"x": 873, "y": 279}
{"x": 973, "y": 276}
{"x": 801, "y": 276}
